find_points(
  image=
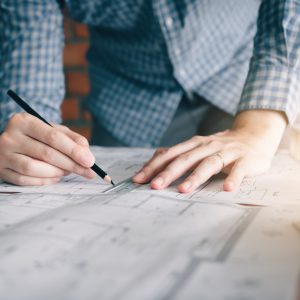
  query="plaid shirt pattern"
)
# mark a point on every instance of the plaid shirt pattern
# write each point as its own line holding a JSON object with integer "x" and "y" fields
{"x": 145, "y": 55}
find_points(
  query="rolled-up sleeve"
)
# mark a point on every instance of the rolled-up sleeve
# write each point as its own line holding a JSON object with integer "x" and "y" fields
{"x": 273, "y": 80}
{"x": 31, "y": 44}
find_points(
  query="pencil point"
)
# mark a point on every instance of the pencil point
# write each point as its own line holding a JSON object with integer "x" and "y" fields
{"x": 108, "y": 180}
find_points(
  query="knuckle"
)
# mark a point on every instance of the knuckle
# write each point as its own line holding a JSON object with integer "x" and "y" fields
{"x": 193, "y": 141}
{"x": 215, "y": 143}
{"x": 75, "y": 151}
{"x": 46, "y": 154}
{"x": 52, "y": 136}
{"x": 60, "y": 127}
{"x": 25, "y": 117}
{"x": 82, "y": 141}
{"x": 4, "y": 139}
{"x": 147, "y": 170}
{"x": 233, "y": 145}
{"x": 63, "y": 127}
{"x": 27, "y": 167}
{"x": 157, "y": 152}
{"x": 230, "y": 146}
{"x": 196, "y": 138}
{"x": 16, "y": 119}
{"x": 164, "y": 152}
{"x": 183, "y": 158}
{"x": 212, "y": 160}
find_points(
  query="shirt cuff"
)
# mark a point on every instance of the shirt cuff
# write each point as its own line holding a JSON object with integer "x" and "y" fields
{"x": 269, "y": 87}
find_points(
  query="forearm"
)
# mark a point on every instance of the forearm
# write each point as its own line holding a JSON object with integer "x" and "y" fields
{"x": 31, "y": 57}
{"x": 273, "y": 79}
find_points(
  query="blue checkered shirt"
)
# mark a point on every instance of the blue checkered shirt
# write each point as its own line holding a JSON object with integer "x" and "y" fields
{"x": 145, "y": 55}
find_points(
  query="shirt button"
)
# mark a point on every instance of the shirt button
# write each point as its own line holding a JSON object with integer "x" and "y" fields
{"x": 169, "y": 22}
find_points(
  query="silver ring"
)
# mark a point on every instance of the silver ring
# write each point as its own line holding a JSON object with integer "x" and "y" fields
{"x": 222, "y": 159}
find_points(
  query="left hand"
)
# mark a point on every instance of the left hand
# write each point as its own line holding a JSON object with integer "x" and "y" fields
{"x": 245, "y": 150}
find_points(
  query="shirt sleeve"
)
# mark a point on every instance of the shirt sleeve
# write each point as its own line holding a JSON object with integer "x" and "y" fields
{"x": 31, "y": 44}
{"x": 273, "y": 80}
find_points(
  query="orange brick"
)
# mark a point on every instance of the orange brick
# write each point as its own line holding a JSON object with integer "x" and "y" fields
{"x": 81, "y": 30}
{"x": 70, "y": 109}
{"x": 74, "y": 54}
{"x": 84, "y": 130}
{"x": 77, "y": 83}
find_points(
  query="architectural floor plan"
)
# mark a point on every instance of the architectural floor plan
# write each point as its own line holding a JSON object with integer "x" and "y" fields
{"x": 83, "y": 239}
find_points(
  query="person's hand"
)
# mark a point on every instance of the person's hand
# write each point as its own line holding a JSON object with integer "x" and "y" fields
{"x": 245, "y": 150}
{"x": 34, "y": 153}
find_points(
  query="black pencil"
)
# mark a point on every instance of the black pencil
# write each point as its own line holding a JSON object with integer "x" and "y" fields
{"x": 31, "y": 111}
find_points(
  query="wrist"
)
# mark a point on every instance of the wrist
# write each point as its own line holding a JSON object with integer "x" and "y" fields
{"x": 260, "y": 120}
{"x": 262, "y": 127}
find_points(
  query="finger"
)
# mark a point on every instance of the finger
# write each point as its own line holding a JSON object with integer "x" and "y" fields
{"x": 37, "y": 150}
{"x": 157, "y": 152}
{"x": 180, "y": 165}
{"x": 76, "y": 137}
{"x": 19, "y": 179}
{"x": 59, "y": 141}
{"x": 222, "y": 133}
{"x": 210, "y": 166}
{"x": 163, "y": 157}
{"x": 31, "y": 167}
{"x": 235, "y": 177}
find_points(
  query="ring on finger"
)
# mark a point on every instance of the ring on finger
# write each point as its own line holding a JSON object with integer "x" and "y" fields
{"x": 218, "y": 154}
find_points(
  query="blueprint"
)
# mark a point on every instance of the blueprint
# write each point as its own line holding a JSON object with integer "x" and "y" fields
{"x": 280, "y": 185}
{"x": 83, "y": 239}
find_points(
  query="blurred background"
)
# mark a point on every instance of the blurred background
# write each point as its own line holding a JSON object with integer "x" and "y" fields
{"x": 76, "y": 76}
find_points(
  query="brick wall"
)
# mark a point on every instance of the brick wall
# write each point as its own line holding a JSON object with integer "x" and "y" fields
{"x": 77, "y": 83}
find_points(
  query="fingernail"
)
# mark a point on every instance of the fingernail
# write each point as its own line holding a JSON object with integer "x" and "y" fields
{"x": 140, "y": 176}
{"x": 186, "y": 185}
{"x": 158, "y": 181}
{"x": 230, "y": 185}
{"x": 88, "y": 158}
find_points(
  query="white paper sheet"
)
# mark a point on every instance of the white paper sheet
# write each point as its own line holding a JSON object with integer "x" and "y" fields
{"x": 85, "y": 240}
{"x": 120, "y": 248}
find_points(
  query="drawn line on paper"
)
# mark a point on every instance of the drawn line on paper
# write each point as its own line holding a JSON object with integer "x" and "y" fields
{"x": 123, "y": 186}
{"x": 245, "y": 221}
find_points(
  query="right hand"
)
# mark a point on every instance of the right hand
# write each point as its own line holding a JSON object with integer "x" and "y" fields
{"x": 33, "y": 153}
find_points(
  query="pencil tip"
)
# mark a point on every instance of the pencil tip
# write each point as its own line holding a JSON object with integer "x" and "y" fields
{"x": 108, "y": 180}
